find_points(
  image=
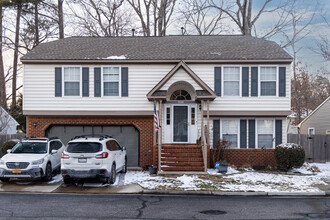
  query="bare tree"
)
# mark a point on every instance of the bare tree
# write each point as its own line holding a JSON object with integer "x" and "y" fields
{"x": 101, "y": 17}
{"x": 3, "y": 100}
{"x": 242, "y": 14}
{"x": 60, "y": 18}
{"x": 154, "y": 15}
{"x": 298, "y": 31}
{"x": 198, "y": 17}
{"x": 324, "y": 44}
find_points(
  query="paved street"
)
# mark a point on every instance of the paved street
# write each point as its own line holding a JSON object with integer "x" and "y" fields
{"x": 78, "y": 206}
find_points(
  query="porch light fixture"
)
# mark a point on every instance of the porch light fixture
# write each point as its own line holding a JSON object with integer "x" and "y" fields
{"x": 34, "y": 124}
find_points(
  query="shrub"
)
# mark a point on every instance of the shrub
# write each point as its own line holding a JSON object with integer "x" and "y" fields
{"x": 289, "y": 156}
{"x": 6, "y": 146}
{"x": 219, "y": 154}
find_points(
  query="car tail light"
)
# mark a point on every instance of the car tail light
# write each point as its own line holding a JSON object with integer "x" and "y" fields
{"x": 65, "y": 156}
{"x": 102, "y": 156}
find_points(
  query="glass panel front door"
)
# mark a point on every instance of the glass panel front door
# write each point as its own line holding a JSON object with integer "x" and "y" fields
{"x": 180, "y": 124}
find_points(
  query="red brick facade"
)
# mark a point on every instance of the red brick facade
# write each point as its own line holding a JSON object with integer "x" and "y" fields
{"x": 143, "y": 124}
{"x": 249, "y": 157}
{"x": 148, "y": 153}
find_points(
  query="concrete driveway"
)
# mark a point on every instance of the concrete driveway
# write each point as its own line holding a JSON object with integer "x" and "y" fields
{"x": 56, "y": 185}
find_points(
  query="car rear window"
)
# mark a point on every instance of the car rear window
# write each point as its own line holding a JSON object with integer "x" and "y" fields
{"x": 84, "y": 147}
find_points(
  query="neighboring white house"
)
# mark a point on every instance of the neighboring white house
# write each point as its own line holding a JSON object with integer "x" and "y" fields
{"x": 233, "y": 87}
{"x": 8, "y": 125}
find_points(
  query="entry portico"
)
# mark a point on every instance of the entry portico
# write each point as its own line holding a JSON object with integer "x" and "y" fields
{"x": 180, "y": 96}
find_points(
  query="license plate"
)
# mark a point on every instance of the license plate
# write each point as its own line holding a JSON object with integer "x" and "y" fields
{"x": 16, "y": 171}
{"x": 82, "y": 160}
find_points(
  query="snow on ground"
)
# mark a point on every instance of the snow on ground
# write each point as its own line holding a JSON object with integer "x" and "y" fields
{"x": 299, "y": 180}
{"x": 56, "y": 179}
{"x": 121, "y": 57}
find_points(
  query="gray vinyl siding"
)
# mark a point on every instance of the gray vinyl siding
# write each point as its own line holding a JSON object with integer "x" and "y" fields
{"x": 320, "y": 120}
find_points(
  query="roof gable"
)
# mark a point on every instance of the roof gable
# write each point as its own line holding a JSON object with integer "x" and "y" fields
{"x": 313, "y": 112}
{"x": 203, "y": 86}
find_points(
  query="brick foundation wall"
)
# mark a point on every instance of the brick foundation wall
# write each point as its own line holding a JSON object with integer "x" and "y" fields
{"x": 143, "y": 124}
{"x": 248, "y": 157}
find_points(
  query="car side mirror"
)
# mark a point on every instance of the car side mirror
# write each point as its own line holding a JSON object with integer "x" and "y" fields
{"x": 124, "y": 148}
{"x": 9, "y": 150}
{"x": 54, "y": 151}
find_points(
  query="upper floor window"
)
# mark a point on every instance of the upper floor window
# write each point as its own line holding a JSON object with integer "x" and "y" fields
{"x": 268, "y": 78}
{"x": 72, "y": 81}
{"x": 231, "y": 81}
{"x": 111, "y": 81}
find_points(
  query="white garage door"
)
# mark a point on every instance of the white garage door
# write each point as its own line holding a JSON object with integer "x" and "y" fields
{"x": 127, "y": 136}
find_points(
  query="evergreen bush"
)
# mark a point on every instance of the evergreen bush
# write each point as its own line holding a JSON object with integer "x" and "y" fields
{"x": 289, "y": 156}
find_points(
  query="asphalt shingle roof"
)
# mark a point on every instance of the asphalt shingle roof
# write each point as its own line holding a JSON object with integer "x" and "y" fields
{"x": 220, "y": 47}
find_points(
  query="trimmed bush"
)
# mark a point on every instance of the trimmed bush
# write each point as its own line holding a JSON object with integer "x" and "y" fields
{"x": 289, "y": 156}
{"x": 6, "y": 146}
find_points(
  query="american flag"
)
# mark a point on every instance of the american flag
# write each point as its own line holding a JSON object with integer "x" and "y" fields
{"x": 156, "y": 118}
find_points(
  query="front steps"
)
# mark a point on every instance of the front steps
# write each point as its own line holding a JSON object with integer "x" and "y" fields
{"x": 181, "y": 157}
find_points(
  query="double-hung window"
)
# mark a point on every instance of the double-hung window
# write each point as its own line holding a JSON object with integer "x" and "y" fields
{"x": 111, "y": 81}
{"x": 231, "y": 80}
{"x": 265, "y": 133}
{"x": 72, "y": 81}
{"x": 230, "y": 132}
{"x": 268, "y": 78}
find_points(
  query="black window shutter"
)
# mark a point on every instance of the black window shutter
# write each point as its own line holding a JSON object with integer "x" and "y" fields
{"x": 217, "y": 80}
{"x": 254, "y": 81}
{"x": 243, "y": 134}
{"x": 97, "y": 82}
{"x": 85, "y": 81}
{"x": 124, "y": 81}
{"x": 282, "y": 79}
{"x": 252, "y": 133}
{"x": 216, "y": 132}
{"x": 278, "y": 132}
{"x": 245, "y": 81}
{"x": 58, "y": 81}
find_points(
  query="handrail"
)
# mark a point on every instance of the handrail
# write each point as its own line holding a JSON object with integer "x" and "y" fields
{"x": 204, "y": 149}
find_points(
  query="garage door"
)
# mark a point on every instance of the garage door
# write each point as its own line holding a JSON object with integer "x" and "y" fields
{"x": 127, "y": 136}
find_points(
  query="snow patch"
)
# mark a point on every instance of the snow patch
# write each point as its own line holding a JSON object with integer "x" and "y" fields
{"x": 121, "y": 57}
{"x": 56, "y": 179}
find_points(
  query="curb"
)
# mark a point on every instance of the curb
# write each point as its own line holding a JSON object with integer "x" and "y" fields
{"x": 221, "y": 193}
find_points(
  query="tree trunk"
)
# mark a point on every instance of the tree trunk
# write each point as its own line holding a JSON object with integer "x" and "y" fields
{"x": 36, "y": 23}
{"x": 18, "y": 18}
{"x": 60, "y": 19}
{"x": 3, "y": 99}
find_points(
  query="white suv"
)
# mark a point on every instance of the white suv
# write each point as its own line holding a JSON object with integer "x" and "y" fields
{"x": 93, "y": 157}
{"x": 32, "y": 158}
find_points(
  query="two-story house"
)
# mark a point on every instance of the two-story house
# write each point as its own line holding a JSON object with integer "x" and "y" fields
{"x": 205, "y": 87}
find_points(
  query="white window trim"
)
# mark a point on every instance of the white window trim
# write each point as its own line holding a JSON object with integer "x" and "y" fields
{"x": 312, "y": 129}
{"x": 259, "y": 80}
{"x": 238, "y": 131}
{"x": 256, "y": 127}
{"x": 80, "y": 82}
{"x": 223, "y": 79}
{"x": 102, "y": 82}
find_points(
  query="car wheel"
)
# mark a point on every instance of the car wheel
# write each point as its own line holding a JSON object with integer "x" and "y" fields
{"x": 124, "y": 170}
{"x": 112, "y": 178}
{"x": 6, "y": 180}
{"x": 68, "y": 180}
{"x": 48, "y": 173}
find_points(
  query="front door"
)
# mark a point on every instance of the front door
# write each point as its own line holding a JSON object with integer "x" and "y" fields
{"x": 180, "y": 124}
